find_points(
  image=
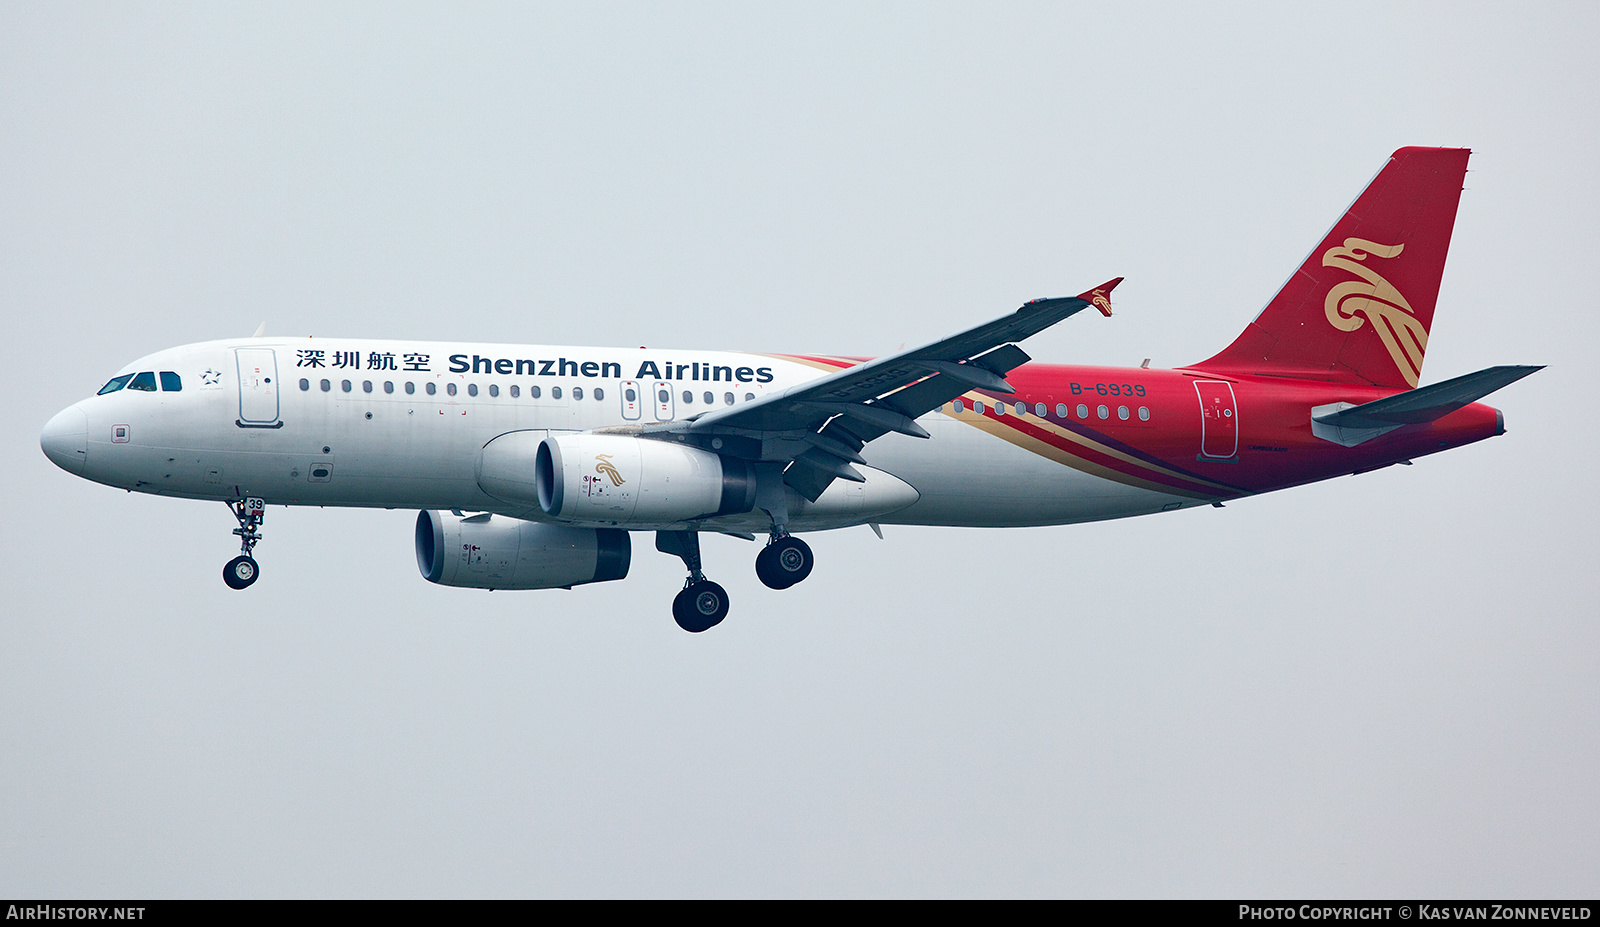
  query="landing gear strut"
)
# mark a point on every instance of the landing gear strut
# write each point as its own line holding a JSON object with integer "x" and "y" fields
{"x": 242, "y": 570}
{"x": 702, "y": 604}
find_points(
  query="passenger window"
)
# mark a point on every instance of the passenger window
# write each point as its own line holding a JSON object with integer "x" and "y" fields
{"x": 410, "y": 388}
{"x": 344, "y": 385}
{"x": 710, "y": 399}
{"x": 629, "y": 395}
{"x": 599, "y": 393}
{"x": 326, "y": 386}
{"x": 1083, "y": 410}
{"x": 977, "y": 406}
{"x": 1122, "y": 412}
{"x": 1103, "y": 412}
{"x": 472, "y": 389}
{"x": 555, "y": 392}
{"x": 494, "y": 389}
{"x": 388, "y": 386}
{"x": 959, "y": 408}
{"x": 366, "y": 386}
{"x": 516, "y": 391}
{"x": 999, "y": 408}
{"x": 304, "y": 384}
{"x": 144, "y": 381}
{"x": 1144, "y": 413}
{"x": 533, "y": 392}
{"x": 114, "y": 384}
{"x": 577, "y": 392}
{"x": 688, "y": 398}
{"x": 170, "y": 382}
{"x": 432, "y": 388}
{"x": 1022, "y": 408}
{"x": 749, "y": 396}
{"x": 1040, "y": 410}
{"x": 1061, "y": 410}
{"x": 450, "y": 388}
{"x": 727, "y": 398}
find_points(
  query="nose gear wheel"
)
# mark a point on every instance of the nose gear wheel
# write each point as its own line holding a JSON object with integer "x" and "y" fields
{"x": 240, "y": 572}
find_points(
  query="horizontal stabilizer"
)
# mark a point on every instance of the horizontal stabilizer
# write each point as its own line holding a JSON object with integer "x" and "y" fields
{"x": 1349, "y": 425}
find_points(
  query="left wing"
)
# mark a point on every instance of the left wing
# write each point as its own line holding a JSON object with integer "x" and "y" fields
{"x": 819, "y": 428}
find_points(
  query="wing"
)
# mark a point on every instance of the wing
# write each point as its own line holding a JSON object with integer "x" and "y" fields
{"x": 818, "y": 429}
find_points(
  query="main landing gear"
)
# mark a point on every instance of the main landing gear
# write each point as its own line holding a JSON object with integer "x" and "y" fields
{"x": 703, "y": 604}
{"x": 700, "y": 606}
{"x": 784, "y": 561}
{"x": 242, "y": 570}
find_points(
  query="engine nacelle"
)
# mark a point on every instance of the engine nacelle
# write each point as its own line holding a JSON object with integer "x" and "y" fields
{"x": 496, "y": 552}
{"x": 623, "y": 480}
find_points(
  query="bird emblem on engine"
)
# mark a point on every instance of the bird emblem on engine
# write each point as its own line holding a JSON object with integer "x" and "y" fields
{"x": 604, "y": 466}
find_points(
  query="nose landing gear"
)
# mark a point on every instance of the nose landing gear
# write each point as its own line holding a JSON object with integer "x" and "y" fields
{"x": 243, "y": 570}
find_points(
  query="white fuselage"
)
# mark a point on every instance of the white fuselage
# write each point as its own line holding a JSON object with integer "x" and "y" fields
{"x": 345, "y": 422}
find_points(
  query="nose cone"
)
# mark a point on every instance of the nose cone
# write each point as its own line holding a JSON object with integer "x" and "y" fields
{"x": 65, "y": 439}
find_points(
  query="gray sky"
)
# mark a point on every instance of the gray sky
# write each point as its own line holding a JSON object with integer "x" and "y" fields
{"x": 1382, "y": 685}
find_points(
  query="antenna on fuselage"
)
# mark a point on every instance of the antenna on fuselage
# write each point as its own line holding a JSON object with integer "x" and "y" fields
{"x": 261, "y": 331}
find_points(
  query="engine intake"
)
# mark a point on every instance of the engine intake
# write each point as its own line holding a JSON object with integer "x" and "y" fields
{"x": 488, "y": 552}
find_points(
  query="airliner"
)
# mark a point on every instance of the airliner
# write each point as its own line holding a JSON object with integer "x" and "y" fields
{"x": 532, "y": 465}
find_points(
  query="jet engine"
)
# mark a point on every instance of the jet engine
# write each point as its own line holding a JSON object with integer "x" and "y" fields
{"x": 617, "y": 479}
{"x": 496, "y": 552}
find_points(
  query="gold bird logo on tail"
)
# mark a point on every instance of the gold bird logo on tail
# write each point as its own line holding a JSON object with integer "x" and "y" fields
{"x": 1403, "y": 335}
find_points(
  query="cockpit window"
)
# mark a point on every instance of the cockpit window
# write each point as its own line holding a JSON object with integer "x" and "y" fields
{"x": 170, "y": 382}
{"x": 115, "y": 384}
{"x": 145, "y": 381}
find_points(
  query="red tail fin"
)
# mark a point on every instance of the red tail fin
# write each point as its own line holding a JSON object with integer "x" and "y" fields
{"x": 1360, "y": 307}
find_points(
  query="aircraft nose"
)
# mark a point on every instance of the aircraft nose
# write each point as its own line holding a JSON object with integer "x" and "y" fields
{"x": 65, "y": 439}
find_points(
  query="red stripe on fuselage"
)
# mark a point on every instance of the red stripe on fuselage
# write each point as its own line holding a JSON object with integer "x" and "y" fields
{"x": 1275, "y": 445}
{"x": 1084, "y": 448}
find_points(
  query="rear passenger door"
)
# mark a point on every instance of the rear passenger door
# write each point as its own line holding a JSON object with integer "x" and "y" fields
{"x": 1219, "y": 425}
